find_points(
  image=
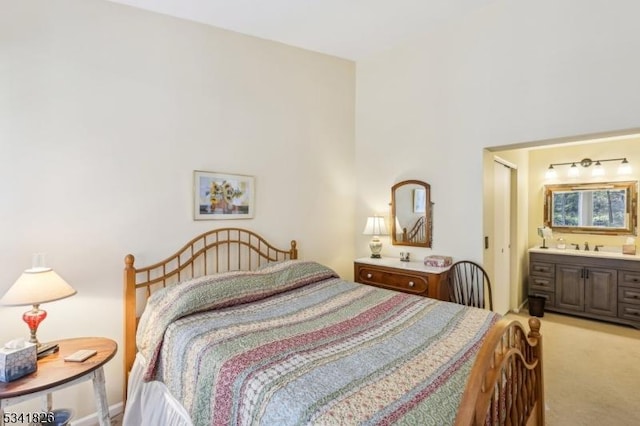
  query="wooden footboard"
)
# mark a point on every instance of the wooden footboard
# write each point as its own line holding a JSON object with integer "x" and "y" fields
{"x": 220, "y": 250}
{"x": 506, "y": 385}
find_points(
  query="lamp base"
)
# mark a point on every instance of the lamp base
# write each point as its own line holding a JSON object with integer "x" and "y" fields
{"x": 33, "y": 318}
{"x": 376, "y": 247}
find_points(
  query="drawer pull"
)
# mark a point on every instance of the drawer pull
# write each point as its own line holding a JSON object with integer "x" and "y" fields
{"x": 411, "y": 283}
{"x": 635, "y": 280}
{"x": 541, "y": 282}
{"x": 369, "y": 276}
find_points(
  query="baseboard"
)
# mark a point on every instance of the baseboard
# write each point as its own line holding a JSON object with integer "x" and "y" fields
{"x": 92, "y": 419}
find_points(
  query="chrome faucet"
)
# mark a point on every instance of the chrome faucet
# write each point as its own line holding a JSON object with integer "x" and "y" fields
{"x": 586, "y": 246}
{"x": 598, "y": 245}
{"x": 577, "y": 246}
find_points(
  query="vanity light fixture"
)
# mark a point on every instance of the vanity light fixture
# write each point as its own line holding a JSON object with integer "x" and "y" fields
{"x": 598, "y": 169}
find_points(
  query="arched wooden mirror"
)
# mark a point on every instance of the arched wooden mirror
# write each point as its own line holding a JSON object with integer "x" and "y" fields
{"x": 411, "y": 214}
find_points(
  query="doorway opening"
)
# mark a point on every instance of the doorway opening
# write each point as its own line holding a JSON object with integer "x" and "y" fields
{"x": 530, "y": 161}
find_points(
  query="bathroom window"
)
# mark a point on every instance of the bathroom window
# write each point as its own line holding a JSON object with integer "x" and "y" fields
{"x": 604, "y": 208}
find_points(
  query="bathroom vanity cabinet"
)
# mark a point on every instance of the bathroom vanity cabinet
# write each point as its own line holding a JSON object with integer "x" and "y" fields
{"x": 586, "y": 288}
{"x": 594, "y": 285}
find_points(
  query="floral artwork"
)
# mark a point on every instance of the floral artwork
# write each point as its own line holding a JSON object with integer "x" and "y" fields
{"x": 223, "y": 196}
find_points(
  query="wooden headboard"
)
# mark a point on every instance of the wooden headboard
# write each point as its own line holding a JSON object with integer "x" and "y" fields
{"x": 219, "y": 250}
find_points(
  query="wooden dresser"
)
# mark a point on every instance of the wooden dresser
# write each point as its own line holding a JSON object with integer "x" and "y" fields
{"x": 408, "y": 277}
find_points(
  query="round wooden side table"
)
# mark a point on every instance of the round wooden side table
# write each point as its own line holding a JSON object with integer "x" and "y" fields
{"x": 54, "y": 373}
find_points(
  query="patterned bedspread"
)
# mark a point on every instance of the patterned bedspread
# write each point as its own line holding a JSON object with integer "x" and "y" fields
{"x": 294, "y": 344}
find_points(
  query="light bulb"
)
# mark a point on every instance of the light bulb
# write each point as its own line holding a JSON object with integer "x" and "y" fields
{"x": 551, "y": 173}
{"x": 574, "y": 171}
{"x": 624, "y": 168}
{"x": 598, "y": 170}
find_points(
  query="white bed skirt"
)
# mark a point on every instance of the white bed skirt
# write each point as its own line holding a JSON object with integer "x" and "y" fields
{"x": 150, "y": 403}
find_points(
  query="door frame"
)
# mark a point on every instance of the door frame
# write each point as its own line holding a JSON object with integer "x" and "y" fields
{"x": 512, "y": 232}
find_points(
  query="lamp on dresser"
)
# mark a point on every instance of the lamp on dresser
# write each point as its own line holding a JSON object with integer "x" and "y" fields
{"x": 38, "y": 284}
{"x": 375, "y": 226}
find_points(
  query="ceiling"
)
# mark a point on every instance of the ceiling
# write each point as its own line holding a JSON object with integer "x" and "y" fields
{"x": 350, "y": 29}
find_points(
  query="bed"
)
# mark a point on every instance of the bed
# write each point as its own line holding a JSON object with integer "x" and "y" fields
{"x": 234, "y": 330}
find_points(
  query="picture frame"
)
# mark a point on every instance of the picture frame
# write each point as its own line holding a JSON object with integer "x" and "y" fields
{"x": 223, "y": 196}
{"x": 419, "y": 200}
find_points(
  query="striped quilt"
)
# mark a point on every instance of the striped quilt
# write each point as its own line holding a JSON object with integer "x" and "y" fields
{"x": 293, "y": 344}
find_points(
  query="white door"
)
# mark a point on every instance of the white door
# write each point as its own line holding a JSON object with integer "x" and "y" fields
{"x": 502, "y": 235}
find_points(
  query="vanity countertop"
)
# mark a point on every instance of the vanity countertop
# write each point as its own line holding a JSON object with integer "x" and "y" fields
{"x": 605, "y": 254}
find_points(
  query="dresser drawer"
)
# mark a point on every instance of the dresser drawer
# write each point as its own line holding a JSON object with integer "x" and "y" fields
{"x": 629, "y": 295}
{"x": 629, "y": 312}
{"x": 629, "y": 279}
{"x": 542, "y": 269}
{"x": 391, "y": 279}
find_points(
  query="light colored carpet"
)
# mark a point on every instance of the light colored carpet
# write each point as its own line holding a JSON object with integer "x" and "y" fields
{"x": 591, "y": 371}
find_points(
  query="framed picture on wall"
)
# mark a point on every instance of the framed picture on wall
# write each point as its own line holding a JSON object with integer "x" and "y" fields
{"x": 419, "y": 201}
{"x": 223, "y": 196}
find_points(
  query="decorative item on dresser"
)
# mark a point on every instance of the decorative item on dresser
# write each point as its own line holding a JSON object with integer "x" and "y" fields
{"x": 275, "y": 337}
{"x": 409, "y": 277}
{"x": 411, "y": 214}
{"x": 375, "y": 226}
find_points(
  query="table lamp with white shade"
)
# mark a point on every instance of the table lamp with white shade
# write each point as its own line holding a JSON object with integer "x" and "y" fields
{"x": 375, "y": 226}
{"x": 38, "y": 284}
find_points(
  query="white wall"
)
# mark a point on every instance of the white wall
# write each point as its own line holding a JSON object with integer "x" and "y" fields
{"x": 510, "y": 73}
{"x": 106, "y": 110}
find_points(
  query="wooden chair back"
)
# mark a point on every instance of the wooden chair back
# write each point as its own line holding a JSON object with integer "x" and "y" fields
{"x": 470, "y": 285}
